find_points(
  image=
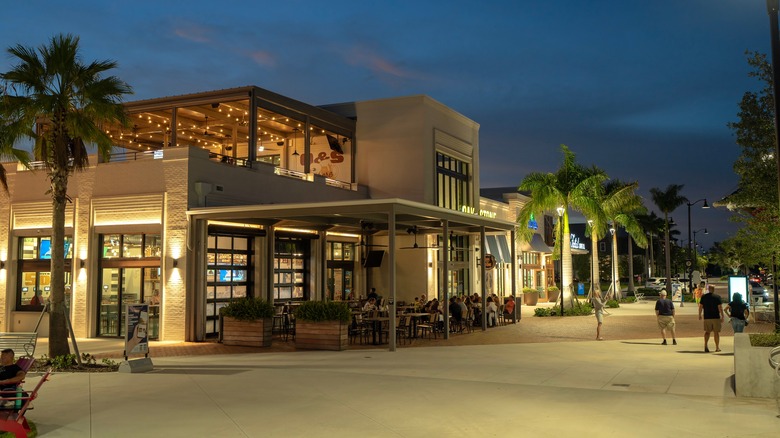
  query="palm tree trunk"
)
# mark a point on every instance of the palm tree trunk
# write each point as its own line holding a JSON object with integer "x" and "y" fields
{"x": 58, "y": 332}
{"x": 615, "y": 266}
{"x": 668, "y": 257}
{"x": 566, "y": 265}
{"x": 595, "y": 281}
{"x": 630, "y": 264}
{"x": 652, "y": 257}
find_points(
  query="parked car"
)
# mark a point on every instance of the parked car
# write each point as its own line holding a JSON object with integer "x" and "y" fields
{"x": 758, "y": 292}
{"x": 656, "y": 283}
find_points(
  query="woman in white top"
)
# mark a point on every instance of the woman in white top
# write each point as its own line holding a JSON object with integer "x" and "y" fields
{"x": 370, "y": 305}
{"x": 492, "y": 311}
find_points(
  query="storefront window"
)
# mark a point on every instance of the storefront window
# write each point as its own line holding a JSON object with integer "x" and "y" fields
{"x": 291, "y": 269}
{"x": 34, "y": 286}
{"x": 129, "y": 274}
{"x": 228, "y": 274}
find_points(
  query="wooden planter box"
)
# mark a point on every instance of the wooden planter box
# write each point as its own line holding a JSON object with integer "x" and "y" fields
{"x": 247, "y": 333}
{"x": 326, "y": 335}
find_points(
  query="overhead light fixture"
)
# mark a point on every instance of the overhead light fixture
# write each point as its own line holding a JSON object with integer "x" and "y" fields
{"x": 295, "y": 143}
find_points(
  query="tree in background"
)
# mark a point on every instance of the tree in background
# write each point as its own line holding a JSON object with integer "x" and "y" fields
{"x": 61, "y": 103}
{"x": 571, "y": 186}
{"x": 667, "y": 201}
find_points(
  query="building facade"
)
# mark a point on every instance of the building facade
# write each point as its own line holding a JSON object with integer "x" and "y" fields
{"x": 218, "y": 195}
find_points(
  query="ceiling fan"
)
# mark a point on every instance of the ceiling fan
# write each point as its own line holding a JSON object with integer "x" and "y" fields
{"x": 366, "y": 229}
{"x": 414, "y": 231}
{"x": 206, "y": 129}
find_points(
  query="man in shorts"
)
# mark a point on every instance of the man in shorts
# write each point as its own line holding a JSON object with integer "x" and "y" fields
{"x": 664, "y": 311}
{"x": 712, "y": 309}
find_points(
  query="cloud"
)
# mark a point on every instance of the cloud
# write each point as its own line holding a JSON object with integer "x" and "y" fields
{"x": 365, "y": 57}
{"x": 263, "y": 58}
{"x": 193, "y": 32}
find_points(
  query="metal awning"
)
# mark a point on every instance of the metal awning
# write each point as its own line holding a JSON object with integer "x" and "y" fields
{"x": 538, "y": 245}
{"x": 499, "y": 247}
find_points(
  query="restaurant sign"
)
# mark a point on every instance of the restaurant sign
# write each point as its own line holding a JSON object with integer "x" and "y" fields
{"x": 484, "y": 213}
{"x": 575, "y": 242}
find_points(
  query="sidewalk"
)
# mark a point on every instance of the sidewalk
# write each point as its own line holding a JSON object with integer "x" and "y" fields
{"x": 559, "y": 387}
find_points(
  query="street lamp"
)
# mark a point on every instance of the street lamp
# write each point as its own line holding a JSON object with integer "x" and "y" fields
{"x": 560, "y": 211}
{"x": 612, "y": 257}
{"x": 689, "y": 262}
{"x": 592, "y": 252}
{"x": 694, "y": 242}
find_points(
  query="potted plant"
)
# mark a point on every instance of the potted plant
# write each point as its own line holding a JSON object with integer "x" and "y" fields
{"x": 247, "y": 322}
{"x": 322, "y": 325}
{"x": 530, "y": 296}
{"x": 553, "y": 294}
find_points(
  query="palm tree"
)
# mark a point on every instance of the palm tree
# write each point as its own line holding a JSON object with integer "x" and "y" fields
{"x": 653, "y": 226}
{"x": 667, "y": 201}
{"x": 621, "y": 205}
{"x": 60, "y": 103}
{"x": 572, "y": 185}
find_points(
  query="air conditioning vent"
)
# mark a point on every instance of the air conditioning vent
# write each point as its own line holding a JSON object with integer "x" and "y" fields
{"x": 219, "y": 188}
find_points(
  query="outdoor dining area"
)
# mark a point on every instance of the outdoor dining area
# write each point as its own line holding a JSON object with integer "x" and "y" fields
{"x": 423, "y": 319}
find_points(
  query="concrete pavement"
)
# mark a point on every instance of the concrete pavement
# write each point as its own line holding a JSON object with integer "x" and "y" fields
{"x": 619, "y": 387}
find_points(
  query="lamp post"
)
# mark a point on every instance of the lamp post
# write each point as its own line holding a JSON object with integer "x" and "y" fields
{"x": 612, "y": 258}
{"x": 560, "y": 211}
{"x": 772, "y": 8}
{"x": 689, "y": 262}
{"x": 592, "y": 257}
{"x": 695, "y": 251}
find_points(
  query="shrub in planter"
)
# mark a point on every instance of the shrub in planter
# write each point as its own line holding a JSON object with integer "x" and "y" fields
{"x": 248, "y": 309}
{"x": 322, "y": 325}
{"x": 612, "y": 304}
{"x": 552, "y": 294}
{"x": 530, "y": 296}
{"x": 247, "y": 322}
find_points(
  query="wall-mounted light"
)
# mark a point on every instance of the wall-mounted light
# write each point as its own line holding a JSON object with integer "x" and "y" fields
{"x": 2, "y": 264}
{"x": 175, "y": 263}
{"x": 81, "y": 263}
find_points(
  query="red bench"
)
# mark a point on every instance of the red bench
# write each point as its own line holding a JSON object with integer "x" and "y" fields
{"x": 13, "y": 419}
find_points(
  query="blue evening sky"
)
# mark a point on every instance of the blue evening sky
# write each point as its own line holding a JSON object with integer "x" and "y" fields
{"x": 642, "y": 89}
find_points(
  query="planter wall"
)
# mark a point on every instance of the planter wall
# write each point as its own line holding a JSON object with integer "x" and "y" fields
{"x": 753, "y": 375}
{"x": 326, "y": 335}
{"x": 247, "y": 333}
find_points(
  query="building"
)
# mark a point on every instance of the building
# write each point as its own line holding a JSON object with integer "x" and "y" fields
{"x": 236, "y": 192}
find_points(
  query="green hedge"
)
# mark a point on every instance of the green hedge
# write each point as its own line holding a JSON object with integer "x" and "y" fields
{"x": 248, "y": 309}
{"x": 318, "y": 311}
{"x": 582, "y": 309}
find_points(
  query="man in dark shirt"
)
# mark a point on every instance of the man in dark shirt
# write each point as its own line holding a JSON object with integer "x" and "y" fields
{"x": 664, "y": 311}
{"x": 10, "y": 375}
{"x": 712, "y": 308}
{"x": 373, "y": 294}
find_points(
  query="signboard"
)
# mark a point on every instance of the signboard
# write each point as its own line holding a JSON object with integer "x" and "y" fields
{"x": 136, "y": 336}
{"x": 739, "y": 283}
{"x": 575, "y": 242}
{"x": 532, "y": 223}
{"x": 677, "y": 292}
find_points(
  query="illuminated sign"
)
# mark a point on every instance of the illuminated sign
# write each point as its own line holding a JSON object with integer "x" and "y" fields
{"x": 532, "y": 223}
{"x": 575, "y": 242}
{"x": 484, "y": 213}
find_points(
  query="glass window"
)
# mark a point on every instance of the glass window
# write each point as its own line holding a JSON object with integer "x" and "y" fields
{"x": 453, "y": 186}
{"x": 29, "y": 248}
{"x": 152, "y": 245}
{"x": 132, "y": 245}
{"x": 111, "y": 246}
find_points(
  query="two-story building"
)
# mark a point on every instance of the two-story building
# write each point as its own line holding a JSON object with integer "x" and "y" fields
{"x": 237, "y": 192}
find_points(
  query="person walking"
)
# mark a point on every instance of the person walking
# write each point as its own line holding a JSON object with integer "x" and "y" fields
{"x": 598, "y": 306}
{"x": 738, "y": 311}
{"x": 711, "y": 308}
{"x": 664, "y": 311}
{"x": 698, "y": 292}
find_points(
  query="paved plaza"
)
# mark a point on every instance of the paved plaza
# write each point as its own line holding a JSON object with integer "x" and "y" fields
{"x": 567, "y": 385}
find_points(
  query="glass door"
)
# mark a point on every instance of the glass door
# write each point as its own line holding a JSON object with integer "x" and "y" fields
{"x": 108, "y": 324}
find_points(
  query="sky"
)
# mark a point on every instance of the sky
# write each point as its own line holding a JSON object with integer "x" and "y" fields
{"x": 641, "y": 89}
